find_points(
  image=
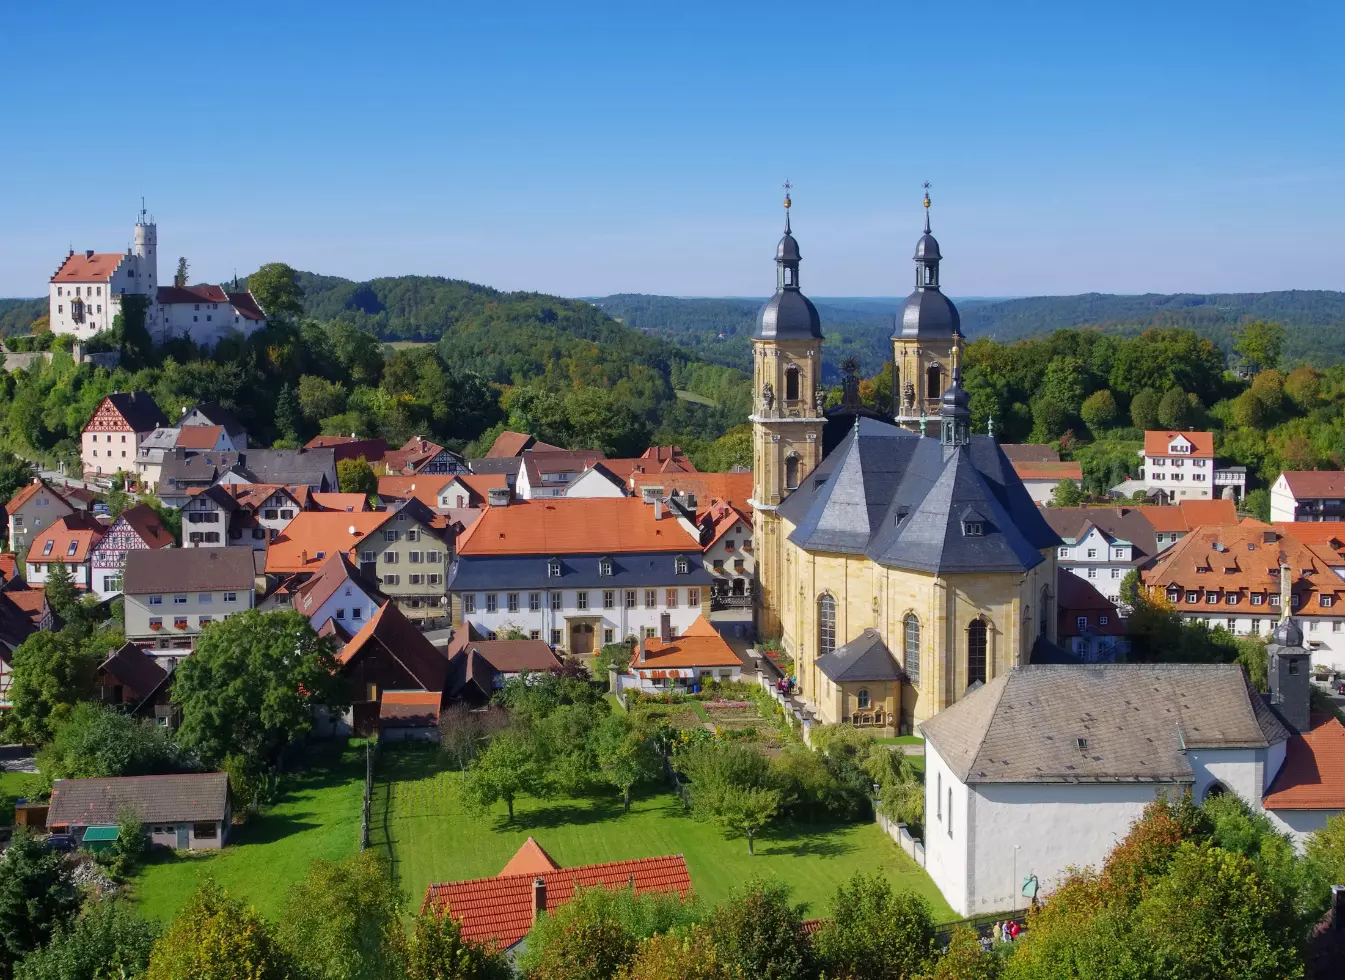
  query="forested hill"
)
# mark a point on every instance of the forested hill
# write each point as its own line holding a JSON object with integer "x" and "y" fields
{"x": 17, "y": 315}
{"x": 719, "y": 329}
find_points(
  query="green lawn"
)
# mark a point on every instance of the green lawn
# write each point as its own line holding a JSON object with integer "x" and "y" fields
{"x": 901, "y": 740}
{"x": 12, "y": 786}
{"x": 317, "y": 816}
{"x": 691, "y": 396}
{"x": 430, "y": 835}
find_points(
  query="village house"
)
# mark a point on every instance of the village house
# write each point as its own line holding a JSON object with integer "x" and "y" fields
{"x": 418, "y": 455}
{"x": 172, "y": 594}
{"x": 68, "y": 541}
{"x": 388, "y": 654}
{"x": 550, "y": 474}
{"x": 188, "y": 812}
{"x": 477, "y": 667}
{"x": 1181, "y": 466}
{"x": 23, "y": 611}
{"x": 204, "y": 314}
{"x": 1308, "y": 496}
{"x": 110, "y": 440}
{"x": 578, "y": 574}
{"x": 31, "y": 509}
{"x": 1103, "y": 544}
{"x": 164, "y": 443}
{"x": 1091, "y": 628}
{"x": 683, "y": 662}
{"x": 183, "y": 472}
{"x": 213, "y": 413}
{"x": 1041, "y": 470}
{"x": 338, "y": 594}
{"x": 133, "y": 681}
{"x": 207, "y": 519}
{"x": 509, "y": 444}
{"x": 597, "y": 481}
{"x": 371, "y": 451}
{"x": 138, "y": 527}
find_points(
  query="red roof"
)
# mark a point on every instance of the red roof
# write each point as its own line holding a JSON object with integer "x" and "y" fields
{"x": 389, "y": 633}
{"x": 1313, "y": 774}
{"x": 88, "y": 267}
{"x": 732, "y": 488}
{"x": 1310, "y": 484}
{"x": 201, "y": 293}
{"x": 199, "y": 436}
{"x": 350, "y": 447}
{"x": 423, "y": 487}
{"x": 508, "y": 444}
{"x": 348, "y": 503}
{"x": 247, "y": 306}
{"x": 1202, "y": 444}
{"x": 1048, "y": 471}
{"x": 409, "y": 709}
{"x": 574, "y": 526}
{"x": 9, "y": 566}
{"x": 1191, "y": 514}
{"x": 529, "y": 859}
{"x": 79, "y": 530}
{"x": 700, "y": 646}
{"x": 500, "y": 911}
{"x": 27, "y": 492}
{"x": 414, "y": 454}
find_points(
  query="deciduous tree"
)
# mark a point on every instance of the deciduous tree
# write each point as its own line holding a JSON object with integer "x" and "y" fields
{"x": 98, "y": 742}
{"x": 356, "y": 476}
{"x": 1259, "y": 345}
{"x": 1099, "y": 411}
{"x": 626, "y": 754}
{"x": 276, "y": 287}
{"x": 109, "y": 940}
{"x": 37, "y": 895}
{"x": 1066, "y": 494}
{"x": 1144, "y": 409}
{"x": 733, "y": 787}
{"x": 52, "y": 672}
{"x": 758, "y": 933}
{"x": 875, "y": 933}
{"x": 215, "y": 937}
{"x": 435, "y": 950}
{"x": 505, "y": 769}
{"x": 339, "y": 918}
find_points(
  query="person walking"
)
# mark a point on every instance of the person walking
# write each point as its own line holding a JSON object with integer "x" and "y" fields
{"x": 998, "y": 931}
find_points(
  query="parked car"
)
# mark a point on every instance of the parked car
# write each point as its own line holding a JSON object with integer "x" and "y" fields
{"x": 65, "y": 843}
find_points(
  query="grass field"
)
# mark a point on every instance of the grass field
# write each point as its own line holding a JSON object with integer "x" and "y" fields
{"x": 12, "y": 786}
{"x": 317, "y": 816}
{"x": 430, "y": 834}
{"x": 691, "y": 396}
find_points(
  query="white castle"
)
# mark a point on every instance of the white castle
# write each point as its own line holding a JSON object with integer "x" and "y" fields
{"x": 86, "y": 291}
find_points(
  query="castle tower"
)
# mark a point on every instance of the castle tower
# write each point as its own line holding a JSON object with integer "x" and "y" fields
{"x": 146, "y": 252}
{"x": 926, "y": 332}
{"x": 787, "y": 416}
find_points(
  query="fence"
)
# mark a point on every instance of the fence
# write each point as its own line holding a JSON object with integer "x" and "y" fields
{"x": 897, "y": 831}
{"x": 371, "y": 748}
{"x": 805, "y": 722}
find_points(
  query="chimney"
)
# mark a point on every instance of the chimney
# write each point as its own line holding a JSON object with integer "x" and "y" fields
{"x": 691, "y": 502}
{"x": 303, "y": 557}
{"x": 498, "y": 496}
{"x": 538, "y": 897}
{"x": 1286, "y": 591}
{"x": 88, "y": 253}
{"x": 641, "y": 658}
{"x": 665, "y": 627}
{"x": 658, "y": 509}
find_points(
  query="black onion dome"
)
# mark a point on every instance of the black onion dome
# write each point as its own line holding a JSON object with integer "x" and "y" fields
{"x": 788, "y": 315}
{"x": 955, "y": 396}
{"x": 928, "y": 315}
{"x": 787, "y": 250}
{"x": 1287, "y": 634}
{"x": 927, "y": 248}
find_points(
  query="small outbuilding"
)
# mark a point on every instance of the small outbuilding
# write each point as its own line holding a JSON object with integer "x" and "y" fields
{"x": 188, "y": 812}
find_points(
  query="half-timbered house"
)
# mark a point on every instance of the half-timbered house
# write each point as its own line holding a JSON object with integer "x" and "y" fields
{"x": 137, "y": 528}
{"x": 110, "y": 439}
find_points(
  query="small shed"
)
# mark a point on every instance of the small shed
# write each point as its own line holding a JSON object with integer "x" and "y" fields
{"x": 100, "y": 839}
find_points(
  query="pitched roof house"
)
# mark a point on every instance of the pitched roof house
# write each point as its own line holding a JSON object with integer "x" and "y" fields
{"x": 388, "y": 654}
{"x": 136, "y": 528}
{"x": 191, "y": 811}
{"x": 134, "y": 680}
{"x": 69, "y": 541}
{"x": 110, "y": 439}
{"x": 478, "y": 668}
{"x": 32, "y": 508}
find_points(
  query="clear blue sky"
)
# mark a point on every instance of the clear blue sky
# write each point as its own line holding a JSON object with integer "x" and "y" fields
{"x": 582, "y": 148}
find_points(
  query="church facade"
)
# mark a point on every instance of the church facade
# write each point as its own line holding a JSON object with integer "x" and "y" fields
{"x": 900, "y": 559}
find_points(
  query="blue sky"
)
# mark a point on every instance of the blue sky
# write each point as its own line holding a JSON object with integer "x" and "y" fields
{"x": 589, "y": 148}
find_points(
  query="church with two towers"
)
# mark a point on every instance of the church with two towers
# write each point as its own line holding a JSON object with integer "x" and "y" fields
{"x": 899, "y": 558}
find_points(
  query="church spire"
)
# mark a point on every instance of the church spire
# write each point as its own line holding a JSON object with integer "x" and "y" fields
{"x": 954, "y": 407}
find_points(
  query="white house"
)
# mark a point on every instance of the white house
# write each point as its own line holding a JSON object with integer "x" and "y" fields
{"x": 207, "y": 517}
{"x": 596, "y": 481}
{"x": 205, "y": 314}
{"x": 84, "y": 295}
{"x": 339, "y": 594}
{"x": 172, "y": 594}
{"x": 68, "y": 541}
{"x": 694, "y": 658}
{"x": 1308, "y": 495}
{"x": 1181, "y": 466}
{"x": 1047, "y": 766}
{"x": 136, "y": 528}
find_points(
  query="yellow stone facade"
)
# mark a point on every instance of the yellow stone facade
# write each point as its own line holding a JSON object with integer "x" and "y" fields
{"x": 927, "y": 367}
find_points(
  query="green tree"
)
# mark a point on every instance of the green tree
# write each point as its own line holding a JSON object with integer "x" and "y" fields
{"x": 107, "y": 941}
{"x": 1174, "y": 409}
{"x": 626, "y": 754}
{"x": 435, "y": 950}
{"x": 731, "y": 786}
{"x": 339, "y": 917}
{"x": 251, "y": 686}
{"x": 62, "y": 597}
{"x": 1099, "y": 411}
{"x": 215, "y": 937}
{"x": 52, "y": 672}
{"x": 320, "y": 397}
{"x": 758, "y": 933}
{"x": 14, "y": 473}
{"x": 1066, "y": 494}
{"x": 1049, "y": 419}
{"x": 508, "y": 767}
{"x": 37, "y": 895}
{"x": 98, "y": 742}
{"x": 356, "y": 476}
{"x": 1144, "y": 409}
{"x": 180, "y": 277}
{"x": 1303, "y": 386}
{"x": 1325, "y": 849}
{"x": 1064, "y": 383}
{"x": 1257, "y": 503}
{"x": 276, "y": 287}
{"x": 965, "y": 959}
{"x": 682, "y": 954}
{"x": 1259, "y": 345}
{"x": 132, "y": 844}
{"x": 875, "y": 933}
{"x": 119, "y": 502}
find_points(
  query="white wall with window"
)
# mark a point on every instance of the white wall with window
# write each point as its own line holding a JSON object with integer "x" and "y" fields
{"x": 1103, "y": 561}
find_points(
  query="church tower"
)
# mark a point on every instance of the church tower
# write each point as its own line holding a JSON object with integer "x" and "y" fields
{"x": 787, "y": 415}
{"x": 926, "y": 333}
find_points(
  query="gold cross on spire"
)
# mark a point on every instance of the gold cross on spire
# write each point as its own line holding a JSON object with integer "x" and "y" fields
{"x": 787, "y": 185}
{"x": 927, "y": 186}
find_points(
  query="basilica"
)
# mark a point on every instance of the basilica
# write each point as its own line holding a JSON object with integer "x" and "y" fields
{"x": 899, "y": 558}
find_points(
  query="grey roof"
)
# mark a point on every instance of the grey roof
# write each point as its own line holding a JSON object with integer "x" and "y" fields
{"x": 1026, "y": 452}
{"x": 927, "y": 248}
{"x": 508, "y": 465}
{"x": 1124, "y": 523}
{"x": 304, "y": 467}
{"x": 135, "y": 669}
{"x": 1137, "y": 722}
{"x": 901, "y": 500}
{"x": 213, "y": 413}
{"x": 788, "y": 315}
{"x": 188, "y": 570}
{"x": 865, "y": 658}
{"x": 161, "y": 438}
{"x": 157, "y": 799}
{"x": 630, "y": 570}
{"x": 139, "y": 410}
{"x": 194, "y": 469}
{"x": 927, "y": 314}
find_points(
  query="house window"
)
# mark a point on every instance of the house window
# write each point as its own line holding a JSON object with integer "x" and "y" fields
{"x": 609, "y": 599}
{"x": 511, "y": 602}
{"x": 862, "y": 698}
{"x": 433, "y": 578}
{"x": 605, "y": 567}
{"x": 390, "y": 534}
{"x": 826, "y": 624}
{"x": 179, "y": 622}
{"x": 413, "y": 557}
{"x": 792, "y": 467}
{"x": 553, "y": 568}
{"x": 1258, "y": 598}
{"x": 581, "y": 600}
{"x": 179, "y": 600}
{"x": 414, "y": 580}
{"x": 1326, "y": 601}
{"x": 1102, "y": 621}
{"x": 977, "y": 647}
{"x": 1191, "y": 596}
{"x": 469, "y": 603}
{"x": 681, "y": 565}
{"x": 1092, "y": 573}
{"x": 1211, "y": 598}
{"x": 672, "y": 598}
{"x": 287, "y": 514}
{"x": 1092, "y": 552}
{"x": 649, "y": 632}
{"x": 555, "y": 638}
{"x": 271, "y": 515}
{"x": 492, "y": 602}
{"x": 1081, "y": 623}
{"x": 204, "y": 599}
{"x": 340, "y": 614}
{"x": 556, "y": 601}
{"x": 389, "y": 557}
{"x": 630, "y": 598}
{"x": 950, "y": 811}
{"x": 651, "y": 598}
{"x": 792, "y": 383}
{"x": 693, "y": 597}
{"x": 155, "y": 623}
{"x": 231, "y": 597}
{"x": 532, "y": 634}
{"x": 911, "y": 651}
{"x": 534, "y": 601}
{"x": 205, "y": 620}
{"x": 608, "y": 636}
{"x": 356, "y": 614}
{"x": 1274, "y": 599}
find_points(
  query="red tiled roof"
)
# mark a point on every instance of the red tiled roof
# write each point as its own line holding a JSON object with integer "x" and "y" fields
{"x": 722, "y": 519}
{"x": 1025, "y": 452}
{"x": 568, "y": 526}
{"x": 311, "y": 533}
{"x": 1190, "y": 514}
{"x": 1048, "y": 471}
{"x": 9, "y": 566}
{"x": 1202, "y": 443}
{"x": 82, "y": 267}
{"x": 1330, "y": 534}
{"x": 500, "y": 911}
{"x": 733, "y": 488}
{"x": 412, "y": 456}
{"x": 200, "y": 293}
{"x": 199, "y": 436}
{"x": 529, "y": 859}
{"x": 347, "y": 503}
{"x": 699, "y": 646}
{"x": 409, "y": 709}
{"x": 145, "y": 521}
{"x": 79, "y": 529}
{"x": 508, "y": 444}
{"x": 1310, "y": 484}
{"x": 1313, "y": 774}
{"x": 350, "y": 447}
{"x": 335, "y": 570}
{"x": 423, "y": 487}
{"x": 27, "y": 492}
{"x": 247, "y": 306}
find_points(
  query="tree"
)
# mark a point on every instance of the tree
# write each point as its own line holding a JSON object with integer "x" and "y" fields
{"x": 436, "y": 950}
{"x": 356, "y": 476}
{"x": 1066, "y": 494}
{"x": 1325, "y": 850}
{"x": 1257, "y": 503}
{"x": 215, "y": 937}
{"x": 626, "y": 754}
{"x": 119, "y": 502}
{"x": 1260, "y": 345}
{"x": 107, "y": 940}
{"x": 1174, "y": 409}
{"x": 251, "y": 686}
{"x": 613, "y": 656}
{"x": 1144, "y": 409}
{"x": 682, "y": 954}
{"x": 52, "y": 672}
{"x": 507, "y": 767}
{"x": 964, "y": 959}
{"x": 14, "y": 473}
{"x": 131, "y": 843}
{"x": 1303, "y": 386}
{"x": 1099, "y": 411}
{"x": 62, "y": 597}
{"x": 275, "y": 286}
{"x": 463, "y": 730}
{"x": 339, "y": 917}
{"x": 758, "y": 933}
{"x": 1049, "y": 418}
{"x": 180, "y": 277}
{"x": 320, "y": 398}
{"x": 731, "y": 786}
{"x": 99, "y": 742}
{"x": 37, "y": 895}
{"x": 875, "y": 933}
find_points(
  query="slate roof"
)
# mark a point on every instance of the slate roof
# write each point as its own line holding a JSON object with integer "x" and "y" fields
{"x": 649, "y": 569}
{"x": 1313, "y": 774}
{"x": 135, "y": 669}
{"x": 157, "y": 799}
{"x": 865, "y": 658}
{"x": 1137, "y": 721}
{"x": 188, "y": 570}
{"x": 138, "y": 409}
{"x": 1126, "y": 523}
{"x": 305, "y": 467}
{"x": 902, "y": 500}
{"x": 508, "y": 465}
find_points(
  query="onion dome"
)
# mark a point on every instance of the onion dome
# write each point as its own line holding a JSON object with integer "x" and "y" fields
{"x": 927, "y": 314}
{"x": 788, "y": 315}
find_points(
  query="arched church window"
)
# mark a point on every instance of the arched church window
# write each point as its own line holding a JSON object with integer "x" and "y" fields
{"x": 789, "y": 276}
{"x": 863, "y": 698}
{"x": 933, "y": 384}
{"x": 792, "y": 383}
{"x": 1045, "y": 605}
{"x": 878, "y": 717}
{"x": 792, "y": 466}
{"x": 912, "y": 648}
{"x": 977, "y": 647}
{"x": 826, "y": 624}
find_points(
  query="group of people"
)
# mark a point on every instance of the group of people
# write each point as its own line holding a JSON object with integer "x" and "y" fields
{"x": 1006, "y": 931}
{"x": 786, "y": 685}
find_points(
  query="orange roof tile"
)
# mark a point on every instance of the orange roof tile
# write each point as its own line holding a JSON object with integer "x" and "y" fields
{"x": 344, "y": 502}
{"x": 1191, "y": 514}
{"x": 1329, "y": 534}
{"x": 410, "y": 708}
{"x": 27, "y": 492}
{"x": 574, "y": 526}
{"x": 1313, "y": 774}
{"x": 314, "y": 534}
{"x": 1048, "y": 471}
{"x": 508, "y": 444}
{"x": 723, "y": 519}
{"x": 199, "y": 436}
{"x": 500, "y": 911}
{"x": 733, "y": 488}
{"x": 70, "y": 538}
{"x": 1311, "y": 484}
{"x": 9, "y": 566}
{"x": 699, "y": 646}
{"x": 529, "y": 859}
{"x": 423, "y": 487}
{"x": 85, "y": 267}
{"x": 1156, "y": 443}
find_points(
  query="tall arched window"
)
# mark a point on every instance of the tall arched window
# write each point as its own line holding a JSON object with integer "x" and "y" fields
{"x": 933, "y": 384}
{"x": 826, "y": 624}
{"x": 912, "y": 648}
{"x": 977, "y": 646}
{"x": 1045, "y": 611}
{"x": 863, "y": 698}
{"x": 792, "y": 465}
{"x": 792, "y": 383}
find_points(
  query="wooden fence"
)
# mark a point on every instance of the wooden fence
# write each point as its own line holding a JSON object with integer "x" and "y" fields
{"x": 371, "y": 748}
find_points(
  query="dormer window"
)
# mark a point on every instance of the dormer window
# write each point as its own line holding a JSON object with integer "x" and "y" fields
{"x": 71, "y": 549}
{"x": 973, "y": 529}
{"x": 604, "y": 567}
{"x": 46, "y": 548}
{"x": 682, "y": 566}
{"x": 553, "y": 568}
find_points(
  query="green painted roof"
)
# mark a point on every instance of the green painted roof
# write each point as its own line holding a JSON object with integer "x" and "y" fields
{"x": 100, "y": 833}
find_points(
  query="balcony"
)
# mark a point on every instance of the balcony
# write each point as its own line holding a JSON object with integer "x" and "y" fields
{"x": 719, "y": 603}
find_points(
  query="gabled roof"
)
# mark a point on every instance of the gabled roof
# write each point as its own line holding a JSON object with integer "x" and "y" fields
{"x": 1137, "y": 722}
{"x": 144, "y": 520}
{"x": 219, "y": 496}
{"x": 138, "y": 409}
{"x": 568, "y": 525}
{"x": 22, "y": 611}
{"x": 1123, "y": 523}
{"x": 247, "y": 306}
{"x": 409, "y": 709}
{"x": 1029, "y": 453}
{"x": 500, "y": 911}
{"x": 28, "y": 491}
{"x": 135, "y": 669}
{"x": 1190, "y": 514}
{"x": 305, "y": 467}
{"x": 331, "y": 575}
{"x": 1048, "y": 471}
{"x": 413, "y": 455}
{"x": 1156, "y": 443}
{"x": 9, "y": 566}
{"x": 88, "y": 267}
{"x": 507, "y": 656}
{"x": 509, "y": 444}
{"x": 188, "y": 570}
{"x": 349, "y": 447}
{"x": 529, "y": 859}
{"x": 392, "y": 635}
{"x": 1311, "y": 484}
{"x": 865, "y": 658}
{"x": 200, "y": 293}
{"x": 423, "y": 486}
{"x": 347, "y": 503}
{"x": 698, "y": 646}
{"x": 156, "y": 799}
{"x": 317, "y": 533}
{"x": 734, "y": 489}
{"x": 1313, "y": 774}
{"x": 217, "y": 414}
{"x": 198, "y": 436}
{"x": 72, "y": 537}
{"x": 1245, "y": 557}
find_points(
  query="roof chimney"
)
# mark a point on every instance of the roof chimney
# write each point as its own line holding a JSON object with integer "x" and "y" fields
{"x": 658, "y": 509}
{"x": 665, "y": 627}
{"x": 88, "y": 253}
{"x": 538, "y": 897}
{"x": 498, "y": 496}
{"x": 641, "y": 658}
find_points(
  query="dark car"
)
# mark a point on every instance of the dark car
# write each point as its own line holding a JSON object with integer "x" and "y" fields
{"x": 64, "y": 843}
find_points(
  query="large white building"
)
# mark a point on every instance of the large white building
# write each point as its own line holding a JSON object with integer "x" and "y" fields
{"x": 1181, "y": 466}
{"x": 1308, "y": 495}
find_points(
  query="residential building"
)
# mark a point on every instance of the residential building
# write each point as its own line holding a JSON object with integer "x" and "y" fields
{"x": 681, "y": 662}
{"x": 207, "y": 519}
{"x": 418, "y": 456}
{"x": 172, "y": 594}
{"x": 1040, "y": 469}
{"x": 1308, "y": 495}
{"x": 549, "y": 474}
{"x": 508, "y": 444}
{"x": 266, "y": 510}
{"x": 23, "y": 611}
{"x": 339, "y": 593}
{"x": 1181, "y": 466}
{"x": 137, "y": 528}
{"x": 184, "y": 472}
{"x": 1103, "y": 544}
{"x": 110, "y": 440}
{"x": 165, "y": 442}
{"x": 68, "y": 541}
{"x": 478, "y": 668}
{"x": 32, "y": 509}
{"x": 734, "y": 489}
{"x": 578, "y": 573}
{"x": 345, "y": 503}
{"x": 1172, "y": 523}
{"x": 730, "y": 558}
{"x": 132, "y": 681}
{"x": 372, "y": 451}
{"x": 388, "y": 654}
{"x": 84, "y": 295}
{"x": 1242, "y": 579}
{"x": 213, "y": 413}
{"x": 501, "y": 911}
{"x": 204, "y": 314}
{"x": 596, "y": 481}
{"x": 1090, "y": 625}
{"x": 188, "y": 812}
